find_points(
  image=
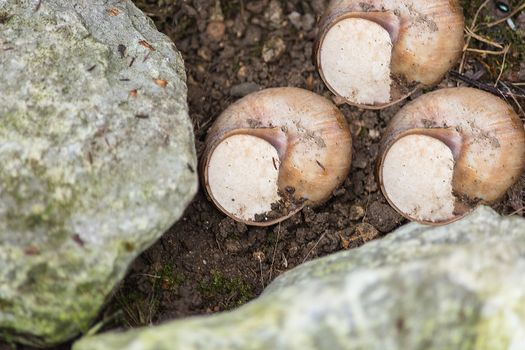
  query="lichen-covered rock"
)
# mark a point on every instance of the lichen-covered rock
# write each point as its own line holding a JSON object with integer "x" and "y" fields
{"x": 96, "y": 157}
{"x": 454, "y": 287}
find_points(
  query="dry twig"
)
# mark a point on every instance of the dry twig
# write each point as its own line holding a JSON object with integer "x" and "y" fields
{"x": 501, "y": 20}
{"x": 315, "y": 246}
{"x": 482, "y": 38}
{"x": 488, "y": 52}
{"x": 517, "y": 211}
{"x": 489, "y": 88}
{"x": 469, "y": 37}
{"x": 513, "y": 96}
{"x": 502, "y": 68}
{"x": 275, "y": 251}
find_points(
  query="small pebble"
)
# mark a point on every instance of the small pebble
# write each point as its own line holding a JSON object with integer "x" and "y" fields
{"x": 295, "y": 19}
{"x": 259, "y": 256}
{"x": 216, "y": 30}
{"x": 233, "y": 246}
{"x": 308, "y": 22}
{"x": 357, "y": 212}
{"x": 374, "y": 134}
{"x": 338, "y": 100}
{"x": 242, "y": 73}
{"x": 243, "y": 89}
{"x": 204, "y": 53}
{"x": 305, "y": 22}
{"x": 360, "y": 161}
{"x": 319, "y": 6}
{"x": 274, "y": 14}
{"x": 273, "y": 49}
{"x": 256, "y": 6}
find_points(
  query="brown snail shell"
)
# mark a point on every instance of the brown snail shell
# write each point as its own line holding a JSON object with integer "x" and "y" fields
{"x": 273, "y": 152}
{"x": 448, "y": 151}
{"x": 375, "y": 53}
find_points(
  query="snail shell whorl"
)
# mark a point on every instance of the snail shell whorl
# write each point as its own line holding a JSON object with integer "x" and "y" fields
{"x": 426, "y": 41}
{"x": 309, "y": 133}
{"x": 485, "y": 137}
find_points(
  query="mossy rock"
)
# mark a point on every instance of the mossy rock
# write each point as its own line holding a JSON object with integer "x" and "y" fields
{"x": 97, "y": 157}
{"x": 456, "y": 287}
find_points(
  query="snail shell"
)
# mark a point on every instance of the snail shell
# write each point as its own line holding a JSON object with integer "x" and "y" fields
{"x": 447, "y": 152}
{"x": 375, "y": 53}
{"x": 273, "y": 152}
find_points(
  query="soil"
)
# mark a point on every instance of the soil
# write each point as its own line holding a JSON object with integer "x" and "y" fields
{"x": 207, "y": 262}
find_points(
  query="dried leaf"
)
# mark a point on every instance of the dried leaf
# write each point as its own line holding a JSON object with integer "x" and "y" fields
{"x": 161, "y": 82}
{"x": 113, "y": 12}
{"x": 146, "y": 45}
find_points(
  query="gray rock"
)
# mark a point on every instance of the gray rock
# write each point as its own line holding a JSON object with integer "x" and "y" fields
{"x": 459, "y": 286}
{"x": 96, "y": 157}
{"x": 243, "y": 89}
{"x": 305, "y": 22}
{"x": 295, "y": 19}
{"x": 274, "y": 14}
{"x": 273, "y": 49}
{"x": 308, "y": 22}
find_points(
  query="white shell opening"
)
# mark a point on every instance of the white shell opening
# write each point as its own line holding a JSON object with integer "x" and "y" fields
{"x": 242, "y": 176}
{"x": 355, "y": 61}
{"x": 417, "y": 176}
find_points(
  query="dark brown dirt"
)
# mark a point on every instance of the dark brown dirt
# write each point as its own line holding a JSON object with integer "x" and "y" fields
{"x": 207, "y": 262}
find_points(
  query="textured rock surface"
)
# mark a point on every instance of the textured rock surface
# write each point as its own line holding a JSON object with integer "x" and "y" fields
{"x": 96, "y": 157}
{"x": 454, "y": 287}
